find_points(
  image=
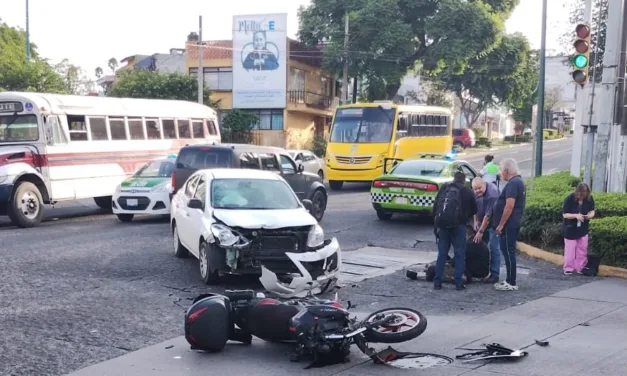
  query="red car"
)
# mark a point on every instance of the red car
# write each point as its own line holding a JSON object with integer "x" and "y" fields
{"x": 464, "y": 137}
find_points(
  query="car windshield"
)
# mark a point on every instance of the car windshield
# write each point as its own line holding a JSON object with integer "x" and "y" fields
{"x": 156, "y": 169}
{"x": 423, "y": 168}
{"x": 18, "y": 128}
{"x": 248, "y": 194}
{"x": 363, "y": 125}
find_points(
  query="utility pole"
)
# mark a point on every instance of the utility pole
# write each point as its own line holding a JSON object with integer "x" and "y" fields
{"x": 27, "y": 33}
{"x": 345, "y": 78}
{"x": 201, "y": 71}
{"x": 607, "y": 95}
{"x": 617, "y": 179}
{"x": 539, "y": 133}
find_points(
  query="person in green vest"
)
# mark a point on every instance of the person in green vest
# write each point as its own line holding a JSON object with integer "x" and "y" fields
{"x": 490, "y": 170}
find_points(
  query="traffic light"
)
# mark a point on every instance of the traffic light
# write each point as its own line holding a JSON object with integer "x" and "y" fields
{"x": 581, "y": 61}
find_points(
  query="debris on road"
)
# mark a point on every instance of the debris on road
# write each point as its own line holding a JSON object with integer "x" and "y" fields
{"x": 493, "y": 351}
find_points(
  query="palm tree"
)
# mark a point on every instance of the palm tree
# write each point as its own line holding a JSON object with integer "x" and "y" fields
{"x": 113, "y": 64}
{"x": 99, "y": 72}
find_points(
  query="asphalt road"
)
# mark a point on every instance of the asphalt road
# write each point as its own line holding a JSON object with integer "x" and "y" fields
{"x": 84, "y": 287}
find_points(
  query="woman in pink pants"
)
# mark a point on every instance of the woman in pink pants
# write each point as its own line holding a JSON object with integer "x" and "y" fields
{"x": 577, "y": 210}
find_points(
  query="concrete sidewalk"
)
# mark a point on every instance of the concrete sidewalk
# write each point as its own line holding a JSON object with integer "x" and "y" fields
{"x": 596, "y": 348}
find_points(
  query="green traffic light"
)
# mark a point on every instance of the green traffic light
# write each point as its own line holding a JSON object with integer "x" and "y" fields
{"x": 581, "y": 61}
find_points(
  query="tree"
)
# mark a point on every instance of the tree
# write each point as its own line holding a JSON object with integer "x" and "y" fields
{"x": 598, "y": 30}
{"x": 153, "y": 85}
{"x": 523, "y": 112}
{"x": 99, "y": 72}
{"x": 388, "y": 37}
{"x": 237, "y": 127}
{"x": 436, "y": 96}
{"x": 76, "y": 82}
{"x": 500, "y": 77}
{"x": 19, "y": 74}
{"x": 113, "y": 64}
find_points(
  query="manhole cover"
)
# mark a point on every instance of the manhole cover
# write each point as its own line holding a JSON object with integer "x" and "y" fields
{"x": 419, "y": 361}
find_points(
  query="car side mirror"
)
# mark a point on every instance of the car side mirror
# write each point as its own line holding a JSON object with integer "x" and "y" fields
{"x": 196, "y": 204}
{"x": 301, "y": 167}
{"x": 308, "y": 205}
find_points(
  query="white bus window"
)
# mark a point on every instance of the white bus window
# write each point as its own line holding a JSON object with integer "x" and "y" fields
{"x": 212, "y": 128}
{"x": 98, "y": 129}
{"x": 152, "y": 129}
{"x": 197, "y": 129}
{"x": 58, "y": 136}
{"x": 183, "y": 126}
{"x": 136, "y": 128}
{"x": 77, "y": 128}
{"x": 169, "y": 129}
{"x": 118, "y": 131}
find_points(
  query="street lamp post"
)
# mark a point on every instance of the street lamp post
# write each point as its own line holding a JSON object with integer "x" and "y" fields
{"x": 540, "y": 118}
{"x": 27, "y": 34}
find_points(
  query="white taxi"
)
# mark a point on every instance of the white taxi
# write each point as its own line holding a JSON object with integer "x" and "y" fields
{"x": 243, "y": 221}
{"x": 146, "y": 192}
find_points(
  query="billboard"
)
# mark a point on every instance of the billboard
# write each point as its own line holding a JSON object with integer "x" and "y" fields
{"x": 259, "y": 61}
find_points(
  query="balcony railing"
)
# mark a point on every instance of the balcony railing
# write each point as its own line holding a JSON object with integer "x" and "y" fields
{"x": 311, "y": 99}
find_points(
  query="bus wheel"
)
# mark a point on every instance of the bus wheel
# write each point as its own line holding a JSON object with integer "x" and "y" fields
{"x": 336, "y": 185}
{"x": 26, "y": 208}
{"x": 103, "y": 202}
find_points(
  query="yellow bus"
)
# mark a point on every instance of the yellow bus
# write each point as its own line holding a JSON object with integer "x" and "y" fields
{"x": 363, "y": 134}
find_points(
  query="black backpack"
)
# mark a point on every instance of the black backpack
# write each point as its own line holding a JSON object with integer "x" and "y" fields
{"x": 448, "y": 208}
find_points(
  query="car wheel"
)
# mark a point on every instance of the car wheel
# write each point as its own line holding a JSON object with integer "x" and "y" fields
{"x": 104, "y": 202}
{"x": 126, "y": 217}
{"x": 384, "y": 216}
{"x": 319, "y": 204}
{"x": 336, "y": 185}
{"x": 179, "y": 250}
{"x": 208, "y": 277}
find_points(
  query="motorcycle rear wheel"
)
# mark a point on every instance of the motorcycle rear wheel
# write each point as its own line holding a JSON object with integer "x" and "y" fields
{"x": 415, "y": 322}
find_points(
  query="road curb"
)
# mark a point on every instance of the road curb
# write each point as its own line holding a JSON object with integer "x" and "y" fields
{"x": 540, "y": 254}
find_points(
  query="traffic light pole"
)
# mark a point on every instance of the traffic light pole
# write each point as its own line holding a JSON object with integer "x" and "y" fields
{"x": 540, "y": 119}
{"x": 607, "y": 95}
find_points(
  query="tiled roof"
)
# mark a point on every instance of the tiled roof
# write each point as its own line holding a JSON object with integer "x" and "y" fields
{"x": 213, "y": 49}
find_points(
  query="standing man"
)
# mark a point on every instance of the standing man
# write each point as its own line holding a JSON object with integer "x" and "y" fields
{"x": 453, "y": 208}
{"x": 490, "y": 170}
{"x": 487, "y": 194}
{"x": 508, "y": 214}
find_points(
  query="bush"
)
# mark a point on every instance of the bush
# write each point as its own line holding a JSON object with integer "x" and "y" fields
{"x": 517, "y": 139}
{"x": 484, "y": 141}
{"x": 319, "y": 146}
{"x": 478, "y": 132}
{"x": 543, "y": 217}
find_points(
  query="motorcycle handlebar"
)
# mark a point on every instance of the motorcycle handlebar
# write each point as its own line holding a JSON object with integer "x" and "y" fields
{"x": 235, "y": 295}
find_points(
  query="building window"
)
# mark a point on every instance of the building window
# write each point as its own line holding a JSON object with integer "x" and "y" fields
{"x": 297, "y": 79}
{"x": 269, "y": 120}
{"x": 325, "y": 86}
{"x": 219, "y": 78}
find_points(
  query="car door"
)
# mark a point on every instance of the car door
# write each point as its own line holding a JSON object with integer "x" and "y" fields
{"x": 469, "y": 172}
{"x": 182, "y": 217}
{"x": 195, "y": 216}
{"x": 297, "y": 181}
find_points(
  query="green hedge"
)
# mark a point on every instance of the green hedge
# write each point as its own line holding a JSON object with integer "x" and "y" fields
{"x": 517, "y": 139}
{"x": 484, "y": 141}
{"x": 543, "y": 217}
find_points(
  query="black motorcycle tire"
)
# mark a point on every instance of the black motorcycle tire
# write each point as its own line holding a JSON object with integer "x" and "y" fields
{"x": 377, "y": 337}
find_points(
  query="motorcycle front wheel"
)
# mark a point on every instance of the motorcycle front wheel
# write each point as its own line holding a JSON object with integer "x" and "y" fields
{"x": 407, "y": 325}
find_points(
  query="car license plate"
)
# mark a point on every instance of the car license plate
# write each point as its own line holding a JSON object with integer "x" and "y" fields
{"x": 131, "y": 202}
{"x": 401, "y": 200}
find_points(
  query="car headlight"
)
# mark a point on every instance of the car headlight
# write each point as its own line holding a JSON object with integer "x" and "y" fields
{"x": 161, "y": 188}
{"x": 315, "y": 237}
{"x": 225, "y": 236}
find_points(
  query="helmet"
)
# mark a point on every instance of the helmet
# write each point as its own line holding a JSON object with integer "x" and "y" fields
{"x": 208, "y": 323}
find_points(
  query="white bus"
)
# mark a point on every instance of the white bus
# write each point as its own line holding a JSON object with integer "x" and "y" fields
{"x": 65, "y": 147}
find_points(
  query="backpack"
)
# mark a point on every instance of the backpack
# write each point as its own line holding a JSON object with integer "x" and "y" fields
{"x": 448, "y": 208}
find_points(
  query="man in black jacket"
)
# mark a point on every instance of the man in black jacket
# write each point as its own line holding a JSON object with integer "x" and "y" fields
{"x": 453, "y": 209}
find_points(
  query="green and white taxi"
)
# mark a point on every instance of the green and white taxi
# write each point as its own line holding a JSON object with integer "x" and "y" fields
{"x": 411, "y": 185}
{"x": 147, "y": 191}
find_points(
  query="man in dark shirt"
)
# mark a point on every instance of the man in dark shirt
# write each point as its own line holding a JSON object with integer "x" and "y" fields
{"x": 487, "y": 194}
{"x": 456, "y": 235}
{"x": 508, "y": 214}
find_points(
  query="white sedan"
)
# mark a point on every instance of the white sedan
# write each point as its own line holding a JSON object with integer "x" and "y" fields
{"x": 242, "y": 221}
{"x": 309, "y": 160}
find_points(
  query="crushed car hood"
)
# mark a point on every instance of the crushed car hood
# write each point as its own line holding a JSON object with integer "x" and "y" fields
{"x": 270, "y": 219}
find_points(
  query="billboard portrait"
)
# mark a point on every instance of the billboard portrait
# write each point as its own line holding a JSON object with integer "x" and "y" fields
{"x": 260, "y": 61}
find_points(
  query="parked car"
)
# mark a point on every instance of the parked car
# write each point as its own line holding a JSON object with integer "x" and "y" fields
{"x": 306, "y": 185}
{"x": 237, "y": 221}
{"x": 464, "y": 137}
{"x": 311, "y": 162}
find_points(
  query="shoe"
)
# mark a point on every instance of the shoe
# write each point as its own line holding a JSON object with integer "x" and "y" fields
{"x": 437, "y": 287}
{"x": 491, "y": 279}
{"x": 579, "y": 272}
{"x": 504, "y": 286}
{"x": 460, "y": 287}
{"x": 567, "y": 273}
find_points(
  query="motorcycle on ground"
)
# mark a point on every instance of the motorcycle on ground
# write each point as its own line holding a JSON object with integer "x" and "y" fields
{"x": 320, "y": 329}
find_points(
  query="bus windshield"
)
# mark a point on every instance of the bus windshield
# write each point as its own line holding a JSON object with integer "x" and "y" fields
{"x": 18, "y": 128}
{"x": 363, "y": 125}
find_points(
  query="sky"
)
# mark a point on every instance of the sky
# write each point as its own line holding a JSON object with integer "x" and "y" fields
{"x": 90, "y": 32}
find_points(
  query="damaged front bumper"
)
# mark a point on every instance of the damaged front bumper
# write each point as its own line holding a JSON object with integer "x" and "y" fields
{"x": 299, "y": 284}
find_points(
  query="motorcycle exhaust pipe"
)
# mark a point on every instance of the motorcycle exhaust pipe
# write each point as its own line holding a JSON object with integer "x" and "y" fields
{"x": 344, "y": 336}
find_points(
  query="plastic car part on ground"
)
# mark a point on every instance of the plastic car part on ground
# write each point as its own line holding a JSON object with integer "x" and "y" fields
{"x": 493, "y": 351}
{"x": 299, "y": 285}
